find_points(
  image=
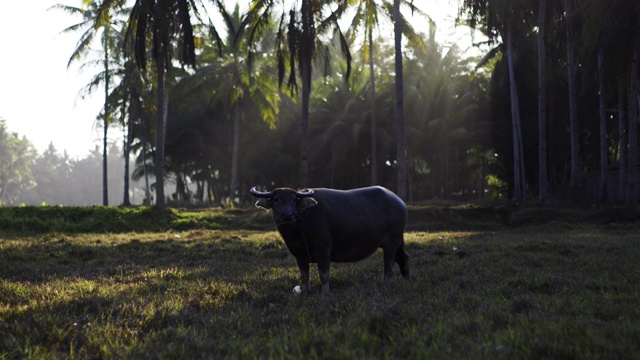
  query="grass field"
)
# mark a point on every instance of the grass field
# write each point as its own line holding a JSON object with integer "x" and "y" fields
{"x": 541, "y": 289}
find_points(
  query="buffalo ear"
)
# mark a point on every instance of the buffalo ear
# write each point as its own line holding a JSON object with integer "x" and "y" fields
{"x": 306, "y": 203}
{"x": 264, "y": 203}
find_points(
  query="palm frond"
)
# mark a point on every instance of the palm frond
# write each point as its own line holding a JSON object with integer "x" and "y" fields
{"x": 72, "y": 10}
{"x": 82, "y": 46}
{"x": 344, "y": 46}
{"x": 489, "y": 56}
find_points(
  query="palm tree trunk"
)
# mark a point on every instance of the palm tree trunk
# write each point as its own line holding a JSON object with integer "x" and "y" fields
{"x": 147, "y": 191}
{"x": 622, "y": 143}
{"x": 400, "y": 134}
{"x": 374, "y": 122}
{"x": 305, "y": 70}
{"x": 633, "y": 121}
{"x": 235, "y": 152}
{"x": 160, "y": 127}
{"x": 483, "y": 173}
{"x": 602, "y": 190}
{"x": 305, "y": 60}
{"x": 105, "y": 185}
{"x": 542, "y": 106}
{"x": 126, "y": 147}
{"x": 128, "y": 139}
{"x": 573, "y": 102}
{"x": 518, "y": 177}
{"x": 126, "y": 201}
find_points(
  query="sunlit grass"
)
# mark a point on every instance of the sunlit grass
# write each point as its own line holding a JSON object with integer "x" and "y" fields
{"x": 537, "y": 292}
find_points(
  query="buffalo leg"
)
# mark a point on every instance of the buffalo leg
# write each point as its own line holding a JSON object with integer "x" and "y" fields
{"x": 304, "y": 276}
{"x": 388, "y": 257}
{"x": 323, "y": 269}
{"x": 402, "y": 259}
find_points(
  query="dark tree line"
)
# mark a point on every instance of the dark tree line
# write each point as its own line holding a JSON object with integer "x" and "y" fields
{"x": 582, "y": 104}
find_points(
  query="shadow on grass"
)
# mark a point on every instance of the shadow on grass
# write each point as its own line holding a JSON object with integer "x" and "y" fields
{"x": 99, "y": 219}
{"x": 61, "y": 256}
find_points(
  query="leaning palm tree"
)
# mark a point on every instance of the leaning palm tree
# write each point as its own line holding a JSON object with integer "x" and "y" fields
{"x": 304, "y": 28}
{"x": 97, "y": 23}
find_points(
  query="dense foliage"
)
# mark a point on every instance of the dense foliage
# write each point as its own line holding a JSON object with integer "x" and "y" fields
{"x": 476, "y": 127}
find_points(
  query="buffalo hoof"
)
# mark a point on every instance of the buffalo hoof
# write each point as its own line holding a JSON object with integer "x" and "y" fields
{"x": 301, "y": 289}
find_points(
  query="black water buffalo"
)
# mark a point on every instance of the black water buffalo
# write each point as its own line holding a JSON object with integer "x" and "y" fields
{"x": 324, "y": 225}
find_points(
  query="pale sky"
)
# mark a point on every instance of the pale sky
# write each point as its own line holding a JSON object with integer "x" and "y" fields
{"x": 39, "y": 95}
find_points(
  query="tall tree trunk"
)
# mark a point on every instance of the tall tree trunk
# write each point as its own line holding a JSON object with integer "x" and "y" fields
{"x": 602, "y": 189}
{"x": 235, "y": 152}
{"x": 147, "y": 192}
{"x": 622, "y": 142}
{"x": 374, "y": 122}
{"x": 304, "y": 126}
{"x": 105, "y": 182}
{"x": 573, "y": 102}
{"x": 483, "y": 173}
{"x": 126, "y": 201}
{"x": 400, "y": 134}
{"x": 160, "y": 128}
{"x": 305, "y": 60}
{"x": 128, "y": 139}
{"x": 633, "y": 120}
{"x": 542, "y": 106}
{"x": 518, "y": 176}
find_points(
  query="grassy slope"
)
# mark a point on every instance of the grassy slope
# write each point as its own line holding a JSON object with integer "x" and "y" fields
{"x": 557, "y": 285}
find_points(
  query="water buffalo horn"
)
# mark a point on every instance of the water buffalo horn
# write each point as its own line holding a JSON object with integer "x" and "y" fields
{"x": 260, "y": 194}
{"x": 304, "y": 193}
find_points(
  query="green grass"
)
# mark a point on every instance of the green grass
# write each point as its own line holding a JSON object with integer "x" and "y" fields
{"x": 552, "y": 289}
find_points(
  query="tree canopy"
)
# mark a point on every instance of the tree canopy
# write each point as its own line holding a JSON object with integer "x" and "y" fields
{"x": 549, "y": 112}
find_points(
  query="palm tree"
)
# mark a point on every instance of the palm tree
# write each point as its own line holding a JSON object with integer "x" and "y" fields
{"x": 602, "y": 36}
{"x": 235, "y": 81}
{"x": 622, "y": 140}
{"x": 303, "y": 28}
{"x": 573, "y": 103}
{"x": 127, "y": 97}
{"x": 634, "y": 115}
{"x": 542, "y": 104}
{"x": 400, "y": 134}
{"x": 340, "y": 129}
{"x": 499, "y": 19}
{"x": 595, "y": 34}
{"x": 602, "y": 112}
{"x": 161, "y": 22}
{"x": 368, "y": 15}
{"x": 96, "y": 23}
{"x": 448, "y": 111}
